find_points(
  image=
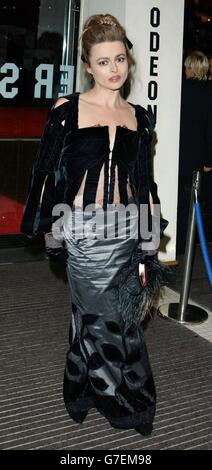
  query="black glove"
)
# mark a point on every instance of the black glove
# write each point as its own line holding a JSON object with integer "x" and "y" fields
{"x": 55, "y": 249}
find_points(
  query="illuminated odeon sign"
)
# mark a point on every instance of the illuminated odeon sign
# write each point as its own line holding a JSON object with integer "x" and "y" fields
{"x": 44, "y": 75}
{"x": 154, "y": 46}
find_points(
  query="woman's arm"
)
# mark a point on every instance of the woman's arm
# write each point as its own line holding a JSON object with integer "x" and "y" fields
{"x": 148, "y": 194}
{"x": 37, "y": 216}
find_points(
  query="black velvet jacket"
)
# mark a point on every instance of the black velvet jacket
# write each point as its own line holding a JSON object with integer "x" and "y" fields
{"x": 66, "y": 152}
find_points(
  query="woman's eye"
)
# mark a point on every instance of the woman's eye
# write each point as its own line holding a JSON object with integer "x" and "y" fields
{"x": 103, "y": 62}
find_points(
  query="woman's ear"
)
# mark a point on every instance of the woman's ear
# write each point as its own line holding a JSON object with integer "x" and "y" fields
{"x": 88, "y": 69}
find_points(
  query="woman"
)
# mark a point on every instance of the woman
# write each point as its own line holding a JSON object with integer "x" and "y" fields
{"x": 195, "y": 151}
{"x": 196, "y": 66}
{"x": 96, "y": 145}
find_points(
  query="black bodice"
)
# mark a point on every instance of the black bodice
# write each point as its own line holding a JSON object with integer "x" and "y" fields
{"x": 68, "y": 154}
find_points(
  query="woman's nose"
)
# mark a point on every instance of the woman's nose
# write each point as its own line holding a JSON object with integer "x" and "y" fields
{"x": 113, "y": 66}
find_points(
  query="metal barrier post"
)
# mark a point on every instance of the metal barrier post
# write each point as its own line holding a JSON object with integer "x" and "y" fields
{"x": 183, "y": 312}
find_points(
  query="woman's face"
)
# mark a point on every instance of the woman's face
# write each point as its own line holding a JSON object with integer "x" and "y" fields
{"x": 189, "y": 72}
{"x": 108, "y": 64}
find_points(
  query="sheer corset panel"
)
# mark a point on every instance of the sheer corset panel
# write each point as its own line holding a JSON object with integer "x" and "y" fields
{"x": 109, "y": 175}
{"x": 78, "y": 201}
{"x": 108, "y": 185}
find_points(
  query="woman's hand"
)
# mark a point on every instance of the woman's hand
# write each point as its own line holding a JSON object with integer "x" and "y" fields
{"x": 142, "y": 274}
{"x": 207, "y": 168}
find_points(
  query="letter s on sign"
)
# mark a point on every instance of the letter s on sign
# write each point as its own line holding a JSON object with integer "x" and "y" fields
{"x": 6, "y": 80}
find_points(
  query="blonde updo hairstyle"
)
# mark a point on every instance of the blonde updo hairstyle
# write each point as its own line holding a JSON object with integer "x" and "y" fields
{"x": 199, "y": 64}
{"x": 101, "y": 28}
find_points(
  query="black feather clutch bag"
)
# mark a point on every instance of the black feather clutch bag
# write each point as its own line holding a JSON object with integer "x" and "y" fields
{"x": 136, "y": 300}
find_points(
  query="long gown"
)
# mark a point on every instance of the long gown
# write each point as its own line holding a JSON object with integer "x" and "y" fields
{"x": 107, "y": 364}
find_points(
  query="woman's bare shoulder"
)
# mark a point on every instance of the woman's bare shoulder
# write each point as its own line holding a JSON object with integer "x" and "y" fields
{"x": 59, "y": 102}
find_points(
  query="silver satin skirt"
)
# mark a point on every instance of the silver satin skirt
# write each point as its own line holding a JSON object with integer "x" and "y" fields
{"x": 107, "y": 366}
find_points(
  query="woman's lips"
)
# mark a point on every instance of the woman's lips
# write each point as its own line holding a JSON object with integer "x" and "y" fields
{"x": 116, "y": 78}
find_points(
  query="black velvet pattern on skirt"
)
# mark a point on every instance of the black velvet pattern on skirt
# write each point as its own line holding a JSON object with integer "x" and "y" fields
{"x": 107, "y": 364}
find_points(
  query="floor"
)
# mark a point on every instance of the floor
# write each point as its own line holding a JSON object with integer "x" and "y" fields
{"x": 204, "y": 328}
{"x": 200, "y": 292}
